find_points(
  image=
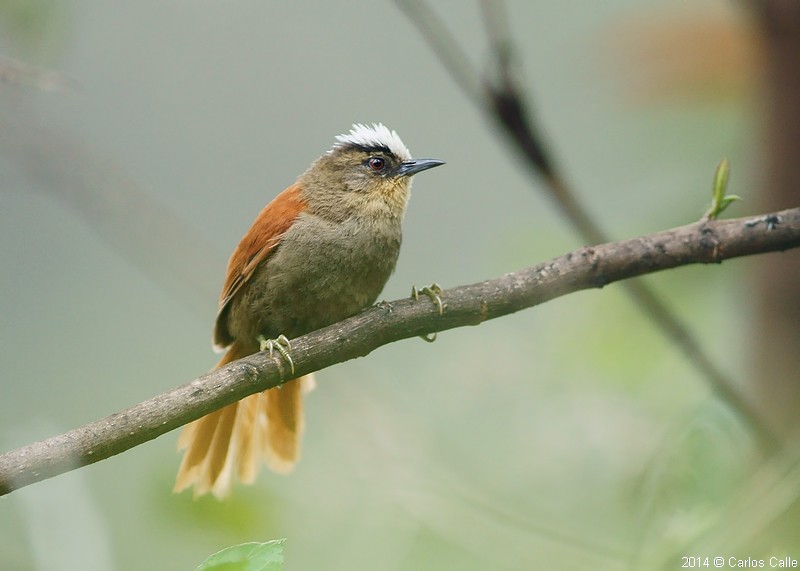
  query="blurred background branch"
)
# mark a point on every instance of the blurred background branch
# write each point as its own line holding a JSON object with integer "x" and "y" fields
{"x": 500, "y": 97}
{"x": 775, "y": 371}
{"x": 143, "y": 230}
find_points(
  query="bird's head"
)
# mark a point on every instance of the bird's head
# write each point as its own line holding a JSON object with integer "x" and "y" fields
{"x": 369, "y": 167}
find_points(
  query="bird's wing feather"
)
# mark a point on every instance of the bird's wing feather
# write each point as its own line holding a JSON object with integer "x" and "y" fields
{"x": 260, "y": 241}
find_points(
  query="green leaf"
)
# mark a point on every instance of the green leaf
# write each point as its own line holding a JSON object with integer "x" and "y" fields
{"x": 721, "y": 176}
{"x": 719, "y": 200}
{"x": 723, "y": 204}
{"x": 247, "y": 557}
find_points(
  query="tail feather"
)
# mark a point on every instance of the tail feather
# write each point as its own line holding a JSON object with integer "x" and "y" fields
{"x": 265, "y": 426}
{"x": 285, "y": 414}
{"x": 213, "y": 469}
{"x": 248, "y": 434}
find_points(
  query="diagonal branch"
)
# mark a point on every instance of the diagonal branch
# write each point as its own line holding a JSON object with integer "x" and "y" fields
{"x": 503, "y": 101}
{"x": 589, "y": 267}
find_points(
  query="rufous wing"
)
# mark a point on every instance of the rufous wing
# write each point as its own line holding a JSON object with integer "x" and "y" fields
{"x": 260, "y": 240}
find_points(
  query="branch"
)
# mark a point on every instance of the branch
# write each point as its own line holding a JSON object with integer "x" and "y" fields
{"x": 703, "y": 242}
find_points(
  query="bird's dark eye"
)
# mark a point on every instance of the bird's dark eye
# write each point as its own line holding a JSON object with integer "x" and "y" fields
{"x": 377, "y": 164}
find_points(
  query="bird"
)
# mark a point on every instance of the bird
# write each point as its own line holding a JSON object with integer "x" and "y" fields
{"x": 319, "y": 252}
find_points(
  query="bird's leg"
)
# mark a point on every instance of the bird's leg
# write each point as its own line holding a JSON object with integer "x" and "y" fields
{"x": 434, "y": 292}
{"x": 280, "y": 344}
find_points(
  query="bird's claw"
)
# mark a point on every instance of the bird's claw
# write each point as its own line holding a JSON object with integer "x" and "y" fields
{"x": 428, "y": 337}
{"x": 434, "y": 292}
{"x": 280, "y": 344}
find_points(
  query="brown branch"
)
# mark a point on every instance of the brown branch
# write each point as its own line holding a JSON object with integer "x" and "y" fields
{"x": 589, "y": 267}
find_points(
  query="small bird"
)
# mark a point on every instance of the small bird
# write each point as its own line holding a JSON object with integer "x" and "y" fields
{"x": 320, "y": 252}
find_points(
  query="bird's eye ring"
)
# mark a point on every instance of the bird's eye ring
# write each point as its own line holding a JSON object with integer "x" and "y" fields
{"x": 377, "y": 164}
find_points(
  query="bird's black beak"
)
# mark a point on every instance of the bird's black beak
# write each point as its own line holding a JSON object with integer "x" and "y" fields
{"x": 408, "y": 168}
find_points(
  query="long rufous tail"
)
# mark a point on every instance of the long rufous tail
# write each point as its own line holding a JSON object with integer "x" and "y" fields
{"x": 231, "y": 442}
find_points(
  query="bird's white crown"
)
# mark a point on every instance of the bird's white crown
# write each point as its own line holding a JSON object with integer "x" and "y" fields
{"x": 375, "y": 136}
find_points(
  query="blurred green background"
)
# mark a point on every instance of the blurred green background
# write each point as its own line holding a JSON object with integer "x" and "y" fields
{"x": 571, "y": 436}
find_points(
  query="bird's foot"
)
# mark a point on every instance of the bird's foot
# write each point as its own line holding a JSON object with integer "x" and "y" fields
{"x": 280, "y": 344}
{"x": 434, "y": 292}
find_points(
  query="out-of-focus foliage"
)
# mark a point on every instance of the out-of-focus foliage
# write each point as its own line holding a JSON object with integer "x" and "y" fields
{"x": 247, "y": 557}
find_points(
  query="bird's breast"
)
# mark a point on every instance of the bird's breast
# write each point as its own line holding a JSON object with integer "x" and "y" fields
{"x": 322, "y": 272}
